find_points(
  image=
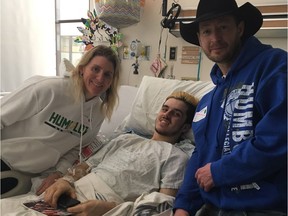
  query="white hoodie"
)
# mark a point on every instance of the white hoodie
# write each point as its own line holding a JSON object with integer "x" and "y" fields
{"x": 41, "y": 122}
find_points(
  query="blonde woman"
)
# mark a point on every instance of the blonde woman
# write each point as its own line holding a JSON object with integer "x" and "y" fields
{"x": 46, "y": 121}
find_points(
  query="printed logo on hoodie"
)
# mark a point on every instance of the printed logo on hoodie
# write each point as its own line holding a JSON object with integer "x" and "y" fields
{"x": 238, "y": 114}
{"x": 63, "y": 124}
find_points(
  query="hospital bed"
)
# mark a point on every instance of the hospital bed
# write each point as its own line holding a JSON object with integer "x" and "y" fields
{"x": 137, "y": 110}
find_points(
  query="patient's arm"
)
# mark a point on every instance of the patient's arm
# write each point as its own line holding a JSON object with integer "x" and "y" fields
{"x": 79, "y": 171}
{"x": 76, "y": 172}
{"x": 169, "y": 191}
{"x": 89, "y": 208}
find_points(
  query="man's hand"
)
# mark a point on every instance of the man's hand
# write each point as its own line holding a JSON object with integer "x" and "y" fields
{"x": 181, "y": 212}
{"x": 204, "y": 177}
{"x": 92, "y": 208}
{"x": 56, "y": 190}
{"x": 47, "y": 182}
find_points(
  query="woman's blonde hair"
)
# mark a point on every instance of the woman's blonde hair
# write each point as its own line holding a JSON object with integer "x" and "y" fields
{"x": 111, "y": 98}
{"x": 189, "y": 100}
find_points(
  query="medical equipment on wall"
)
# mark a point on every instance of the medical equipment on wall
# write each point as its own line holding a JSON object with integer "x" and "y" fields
{"x": 136, "y": 50}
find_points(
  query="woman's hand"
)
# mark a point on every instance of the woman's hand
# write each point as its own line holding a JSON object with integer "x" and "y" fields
{"x": 47, "y": 182}
{"x": 58, "y": 188}
{"x": 92, "y": 208}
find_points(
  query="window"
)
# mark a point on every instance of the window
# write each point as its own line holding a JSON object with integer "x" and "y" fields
{"x": 68, "y": 18}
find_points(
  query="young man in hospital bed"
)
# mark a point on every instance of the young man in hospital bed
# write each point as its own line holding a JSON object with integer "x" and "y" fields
{"x": 131, "y": 165}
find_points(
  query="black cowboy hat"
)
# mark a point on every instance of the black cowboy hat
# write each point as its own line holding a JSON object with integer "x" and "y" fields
{"x": 210, "y": 9}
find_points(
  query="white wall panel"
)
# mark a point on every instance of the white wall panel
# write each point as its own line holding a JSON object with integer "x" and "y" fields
{"x": 27, "y": 40}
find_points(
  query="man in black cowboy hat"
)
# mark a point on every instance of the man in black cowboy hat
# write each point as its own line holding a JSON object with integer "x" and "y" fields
{"x": 239, "y": 166}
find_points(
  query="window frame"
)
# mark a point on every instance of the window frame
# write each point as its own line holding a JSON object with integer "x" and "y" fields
{"x": 58, "y": 23}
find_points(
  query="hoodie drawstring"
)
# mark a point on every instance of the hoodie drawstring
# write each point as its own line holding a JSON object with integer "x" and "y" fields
{"x": 90, "y": 116}
{"x": 82, "y": 124}
{"x": 81, "y": 135}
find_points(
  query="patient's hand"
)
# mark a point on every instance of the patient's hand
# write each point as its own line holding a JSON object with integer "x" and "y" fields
{"x": 58, "y": 188}
{"x": 47, "y": 182}
{"x": 92, "y": 208}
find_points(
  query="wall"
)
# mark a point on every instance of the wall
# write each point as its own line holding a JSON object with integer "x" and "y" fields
{"x": 27, "y": 40}
{"x": 148, "y": 31}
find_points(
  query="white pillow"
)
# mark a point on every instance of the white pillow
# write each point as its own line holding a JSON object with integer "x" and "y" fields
{"x": 126, "y": 95}
{"x": 149, "y": 99}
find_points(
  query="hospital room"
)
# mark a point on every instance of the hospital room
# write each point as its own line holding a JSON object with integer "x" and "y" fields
{"x": 143, "y": 107}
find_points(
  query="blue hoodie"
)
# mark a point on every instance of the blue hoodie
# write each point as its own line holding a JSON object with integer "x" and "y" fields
{"x": 241, "y": 128}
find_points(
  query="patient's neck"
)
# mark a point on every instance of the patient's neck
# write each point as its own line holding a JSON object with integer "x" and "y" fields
{"x": 170, "y": 139}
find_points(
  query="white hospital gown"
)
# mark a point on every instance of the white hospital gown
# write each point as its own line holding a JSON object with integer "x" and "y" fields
{"x": 132, "y": 165}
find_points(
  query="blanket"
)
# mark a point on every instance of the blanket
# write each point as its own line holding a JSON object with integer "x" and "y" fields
{"x": 154, "y": 203}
